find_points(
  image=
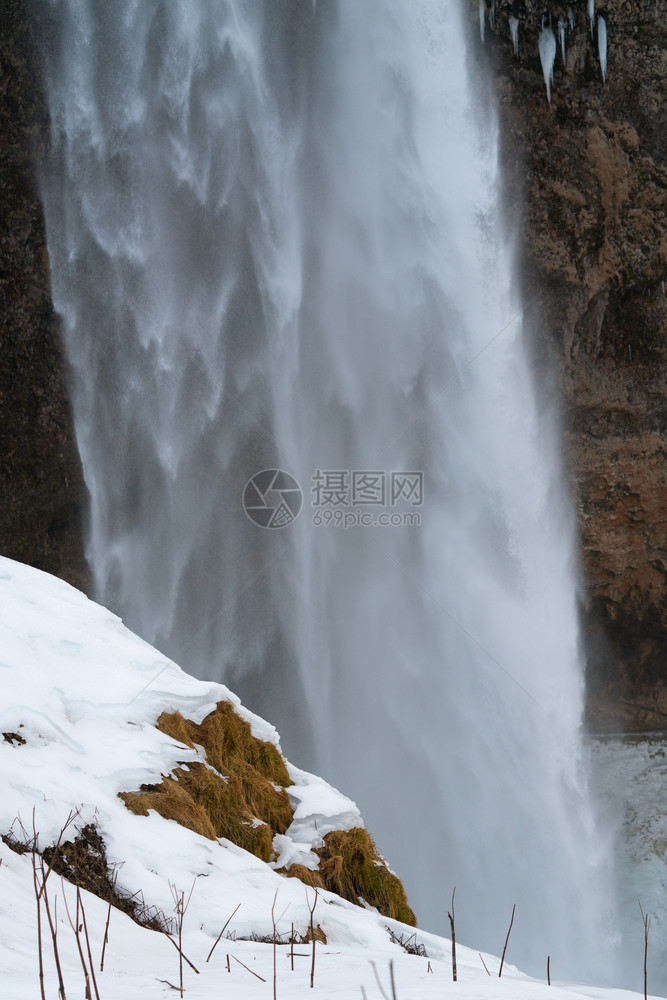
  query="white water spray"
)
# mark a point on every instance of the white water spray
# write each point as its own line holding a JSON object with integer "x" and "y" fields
{"x": 275, "y": 241}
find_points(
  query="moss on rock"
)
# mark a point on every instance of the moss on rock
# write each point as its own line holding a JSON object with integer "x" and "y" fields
{"x": 238, "y": 792}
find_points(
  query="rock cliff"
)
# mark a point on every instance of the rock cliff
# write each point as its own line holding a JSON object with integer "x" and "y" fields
{"x": 586, "y": 183}
{"x": 41, "y": 488}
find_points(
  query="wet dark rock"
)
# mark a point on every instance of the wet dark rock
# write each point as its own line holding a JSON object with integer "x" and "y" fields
{"x": 586, "y": 184}
{"x": 42, "y": 496}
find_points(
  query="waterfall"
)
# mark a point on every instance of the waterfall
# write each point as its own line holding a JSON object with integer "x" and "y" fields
{"x": 275, "y": 240}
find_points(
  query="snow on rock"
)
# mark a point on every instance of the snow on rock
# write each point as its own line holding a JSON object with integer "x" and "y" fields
{"x": 318, "y": 809}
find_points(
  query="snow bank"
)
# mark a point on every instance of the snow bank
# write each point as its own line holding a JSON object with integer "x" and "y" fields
{"x": 83, "y": 693}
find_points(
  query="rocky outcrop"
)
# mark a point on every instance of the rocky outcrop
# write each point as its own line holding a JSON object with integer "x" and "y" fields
{"x": 586, "y": 183}
{"x": 239, "y": 790}
{"x": 41, "y": 488}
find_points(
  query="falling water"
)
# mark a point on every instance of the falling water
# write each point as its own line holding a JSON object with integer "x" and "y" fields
{"x": 275, "y": 243}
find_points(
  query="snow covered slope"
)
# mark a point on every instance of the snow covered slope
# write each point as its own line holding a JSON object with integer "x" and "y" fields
{"x": 83, "y": 694}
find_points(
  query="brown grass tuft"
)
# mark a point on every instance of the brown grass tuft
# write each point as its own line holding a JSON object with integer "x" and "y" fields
{"x": 171, "y": 801}
{"x": 351, "y": 866}
{"x": 235, "y": 795}
{"x": 316, "y": 933}
{"x": 305, "y": 875}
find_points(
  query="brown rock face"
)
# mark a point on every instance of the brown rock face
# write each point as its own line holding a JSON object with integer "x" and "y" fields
{"x": 41, "y": 488}
{"x": 586, "y": 175}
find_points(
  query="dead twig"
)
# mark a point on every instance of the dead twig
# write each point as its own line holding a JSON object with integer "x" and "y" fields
{"x": 77, "y": 934}
{"x": 90, "y": 957}
{"x": 53, "y": 927}
{"x": 273, "y": 921}
{"x": 221, "y": 933}
{"x": 502, "y": 960}
{"x": 106, "y": 929}
{"x": 181, "y": 909}
{"x": 39, "y": 925}
{"x": 451, "y": 924}
{"x": 312, "y": 934}
{"x": 182, "y": 953}
{"x": 257, "y": 976}
{"x": 391, "y": 979}
{"x": 409, "y": 944}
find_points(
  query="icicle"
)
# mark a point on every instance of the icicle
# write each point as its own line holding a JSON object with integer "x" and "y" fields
{"x": 514, "y": 33}
{"x": 570, "y": 17}
{"x": 591, "y": 14}
{"x": 547, "y": 47}
{"x": 561, "y": 35}
{"x": 492, "y": 14}
{"x": 481, "y": 20}
{"x": 602, "y": 46}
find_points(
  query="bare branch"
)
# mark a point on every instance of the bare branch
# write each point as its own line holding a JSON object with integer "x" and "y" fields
{"x": 185, "y": 957}
{"x": 77, "y": 934}
{"x": 312, "y": 934}
{"x": 273, "y": 921}
{"x": 377, "y": 980}
{"x": 39, "y": 923}
{"x": 391, "y": 977}
{"x": 247, "y": 969}
{"x": 106, "y": 929}
{"x": 221, "y": 933}
{"x": 502, "y": 960}
{"x": 53, "y": 927}
{"x": 90, "y": 957}
{"x": 451, "y": 924}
